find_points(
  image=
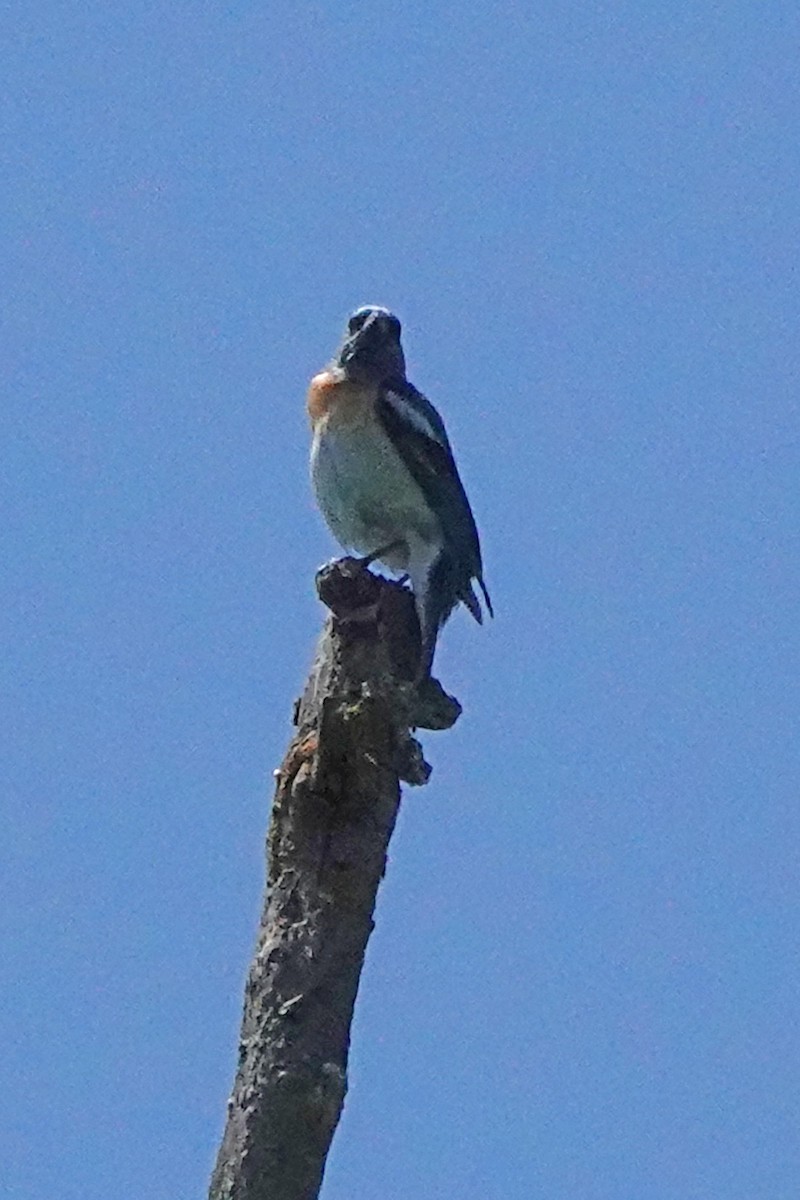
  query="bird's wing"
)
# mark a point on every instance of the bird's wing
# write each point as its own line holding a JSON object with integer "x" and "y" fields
{"x": 418, "y": 434}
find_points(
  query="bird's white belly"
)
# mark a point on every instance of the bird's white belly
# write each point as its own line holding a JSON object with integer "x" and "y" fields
{"x": 366, "y": 493}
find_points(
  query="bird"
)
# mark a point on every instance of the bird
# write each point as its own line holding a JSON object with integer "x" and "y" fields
{"x": 385, "y": 479}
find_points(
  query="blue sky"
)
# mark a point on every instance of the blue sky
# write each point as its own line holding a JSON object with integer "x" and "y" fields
{"x": 583, "y": 981}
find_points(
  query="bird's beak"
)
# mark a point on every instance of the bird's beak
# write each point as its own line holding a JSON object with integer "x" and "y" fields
{"x": 353, "y": 343}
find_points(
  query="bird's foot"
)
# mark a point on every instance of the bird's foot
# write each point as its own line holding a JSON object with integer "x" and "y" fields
{"x": 369, "y": 559}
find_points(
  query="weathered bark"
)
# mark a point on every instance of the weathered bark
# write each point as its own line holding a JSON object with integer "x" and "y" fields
{"x": 335, "y": 805}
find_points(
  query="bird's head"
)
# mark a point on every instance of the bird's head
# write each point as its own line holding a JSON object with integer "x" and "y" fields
{"x": 371, "y": 351}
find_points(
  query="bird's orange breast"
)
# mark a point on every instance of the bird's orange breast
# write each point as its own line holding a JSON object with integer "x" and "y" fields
{"x": 331, "y": 395}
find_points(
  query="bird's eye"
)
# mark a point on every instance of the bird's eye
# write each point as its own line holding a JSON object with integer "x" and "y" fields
{"x": 384, "y": 319}
{"x": 357, "y": 320}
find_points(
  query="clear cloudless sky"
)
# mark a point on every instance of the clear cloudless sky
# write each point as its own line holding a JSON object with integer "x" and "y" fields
{"x": 583, "y": 984}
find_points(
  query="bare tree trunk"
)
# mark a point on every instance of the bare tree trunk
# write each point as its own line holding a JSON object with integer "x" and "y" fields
{"x": 335, "y": 805}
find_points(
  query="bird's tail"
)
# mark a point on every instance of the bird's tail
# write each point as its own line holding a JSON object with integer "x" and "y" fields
{"x": 447, "y": 584}
{"x": 470, "y": 600}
